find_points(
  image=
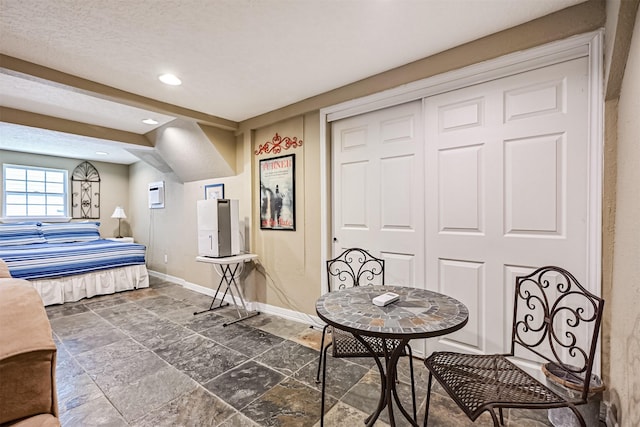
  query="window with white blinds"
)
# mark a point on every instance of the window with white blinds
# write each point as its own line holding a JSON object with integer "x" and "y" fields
{"x": 31, "y": 192}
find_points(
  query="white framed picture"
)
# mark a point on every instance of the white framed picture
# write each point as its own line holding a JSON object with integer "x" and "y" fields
{"x": 214, "y": 191}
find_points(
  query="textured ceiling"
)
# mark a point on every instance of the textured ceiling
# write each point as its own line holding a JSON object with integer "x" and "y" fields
{"x": 40, "y": 98}
{"x": 41, "y": 141}
{"x": 242, "y": 58}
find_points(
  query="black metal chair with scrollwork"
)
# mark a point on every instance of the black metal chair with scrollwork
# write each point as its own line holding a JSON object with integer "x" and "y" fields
{"x": 557, "y": 321}
{"x": 356, "y": 267}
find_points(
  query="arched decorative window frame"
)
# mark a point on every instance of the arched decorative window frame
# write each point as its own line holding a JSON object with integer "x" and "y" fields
{"x": 85, "y": 197}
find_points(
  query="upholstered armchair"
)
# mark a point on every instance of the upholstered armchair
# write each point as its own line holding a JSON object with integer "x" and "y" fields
{"x": 27, "y": 356}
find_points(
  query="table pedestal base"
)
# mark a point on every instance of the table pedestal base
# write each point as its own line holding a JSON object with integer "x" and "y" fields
{"x": 388, "y": 375}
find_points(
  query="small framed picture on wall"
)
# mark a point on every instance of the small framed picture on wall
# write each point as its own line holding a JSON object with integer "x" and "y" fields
{"x": 214, "y": 191}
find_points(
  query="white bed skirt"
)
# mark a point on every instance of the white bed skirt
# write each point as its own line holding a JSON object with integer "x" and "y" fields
{"x": 76, "y": 287}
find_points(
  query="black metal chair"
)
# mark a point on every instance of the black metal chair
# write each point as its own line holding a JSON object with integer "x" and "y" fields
{"x": 355, "y": 267}
{"x": 554, "y": 318}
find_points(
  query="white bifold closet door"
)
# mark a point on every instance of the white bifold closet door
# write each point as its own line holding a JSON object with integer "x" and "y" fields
{"x": 378, "y": 191}
{"x": 506, "y": 189}
{"x": 465, "y": 190}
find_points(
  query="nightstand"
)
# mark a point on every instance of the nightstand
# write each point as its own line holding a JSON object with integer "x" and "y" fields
{"x": 121, "y": 239}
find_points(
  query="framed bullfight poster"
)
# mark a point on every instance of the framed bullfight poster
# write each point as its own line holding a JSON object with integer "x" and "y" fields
{"x": 277, "y": 193}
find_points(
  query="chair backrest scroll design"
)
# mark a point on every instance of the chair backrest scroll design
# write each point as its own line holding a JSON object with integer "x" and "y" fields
{"x": 354, "y": 267}
{"x": 558, "y": 320}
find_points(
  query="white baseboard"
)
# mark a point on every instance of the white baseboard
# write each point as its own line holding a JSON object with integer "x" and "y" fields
{"x": 166, "y": 277}
{"x": 285, "y": 313}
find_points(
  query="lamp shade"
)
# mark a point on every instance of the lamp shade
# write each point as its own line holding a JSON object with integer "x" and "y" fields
{"x": 118, "y": 213}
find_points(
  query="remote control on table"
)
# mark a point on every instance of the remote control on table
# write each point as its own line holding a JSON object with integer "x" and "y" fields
{"x": 386, "y": 299}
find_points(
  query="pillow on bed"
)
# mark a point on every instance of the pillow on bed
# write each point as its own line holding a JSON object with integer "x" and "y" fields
{"x": 20, "y": 233}
{"x": 71, "y": 232}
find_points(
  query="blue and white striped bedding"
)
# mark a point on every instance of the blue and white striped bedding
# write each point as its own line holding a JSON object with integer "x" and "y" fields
{"x": 48, "y": 260}
{"x": 21, "y": 233}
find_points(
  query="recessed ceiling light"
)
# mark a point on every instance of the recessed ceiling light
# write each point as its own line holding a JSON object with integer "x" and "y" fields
{"x": 102, "y": 153}
{"x": 150, "y": 122}
{"x": 170, "y": 79}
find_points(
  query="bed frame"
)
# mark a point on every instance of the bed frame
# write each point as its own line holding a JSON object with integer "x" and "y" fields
{"x": 74, "y": 288}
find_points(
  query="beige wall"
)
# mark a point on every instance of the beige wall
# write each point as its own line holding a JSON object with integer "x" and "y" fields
{"x": 288, "y": 272}
{"x": 161, "y": 230}
{"x": 114, "y": 185}
{"x": 290, "y": 260}
{"x": 172, "y": 230}
{"x": 624, "y": 298}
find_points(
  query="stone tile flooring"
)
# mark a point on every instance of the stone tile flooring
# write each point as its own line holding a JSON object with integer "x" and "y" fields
{"x": 141, "y": 358}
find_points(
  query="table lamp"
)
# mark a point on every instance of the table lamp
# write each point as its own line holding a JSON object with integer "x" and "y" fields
{"x": 119, "y": 213}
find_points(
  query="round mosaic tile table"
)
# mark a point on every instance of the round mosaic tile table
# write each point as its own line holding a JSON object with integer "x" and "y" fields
{"x": 418, "y": 313}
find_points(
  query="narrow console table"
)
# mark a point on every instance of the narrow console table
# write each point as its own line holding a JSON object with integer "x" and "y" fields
{"x": 229, "y": 267}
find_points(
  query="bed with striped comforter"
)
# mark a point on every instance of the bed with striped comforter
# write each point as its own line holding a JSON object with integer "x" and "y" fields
{"x": 50, "y": 260}
{"x": 67, "y": 262}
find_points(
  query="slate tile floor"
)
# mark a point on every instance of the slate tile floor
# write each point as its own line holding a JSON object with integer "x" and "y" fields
{"x": 141, "y": 358}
